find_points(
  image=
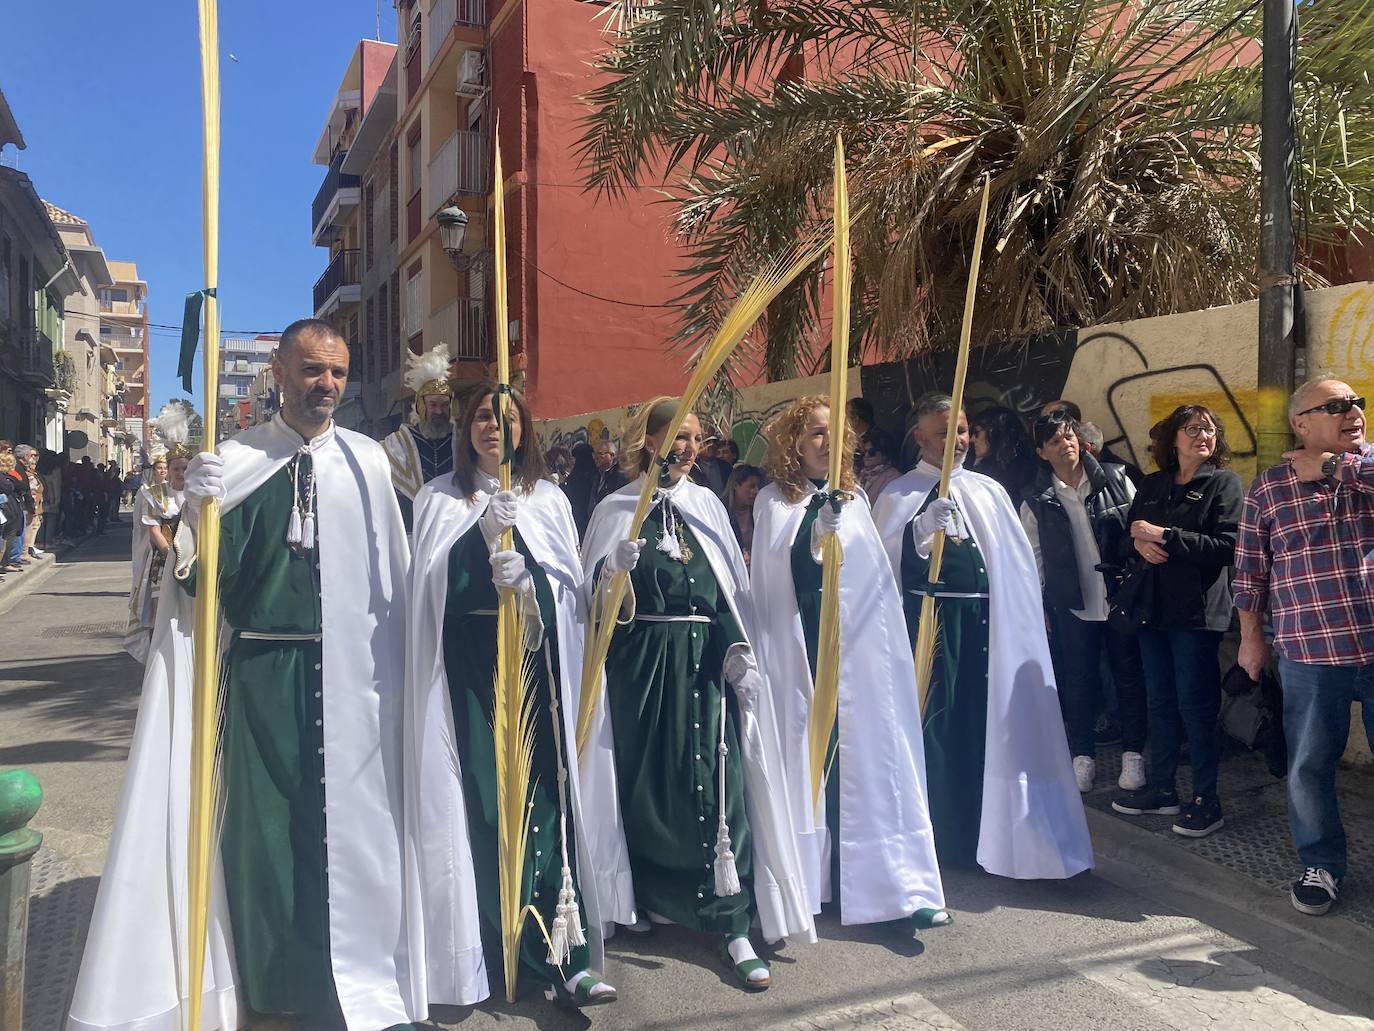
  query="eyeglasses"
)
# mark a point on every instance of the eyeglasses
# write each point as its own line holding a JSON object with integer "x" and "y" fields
{"x": 872, "y": 452}
{"x": 1336, "y": 406}
{"x": 1196, "y": 430}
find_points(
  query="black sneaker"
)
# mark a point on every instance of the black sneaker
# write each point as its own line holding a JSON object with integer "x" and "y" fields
{"x": 1315, "y": 891}
{"x": 1147, "y": 801}
{"x": 1107, "y": 731}
{"x": 1200, "y": 818}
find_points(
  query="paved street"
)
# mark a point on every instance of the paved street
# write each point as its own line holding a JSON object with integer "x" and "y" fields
{"x": 1158, "y": 937}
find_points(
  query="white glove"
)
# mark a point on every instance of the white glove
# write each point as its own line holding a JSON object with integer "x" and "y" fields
{"x": 205, "y": 478}
{"x": 748, "y": 690}
{"x": 827, "y": 522}
{"x": 500, "y": 515}
{"x": 939, "y": 515}
{"x": 508, "y": 570}
{"x": 624, "y": 556}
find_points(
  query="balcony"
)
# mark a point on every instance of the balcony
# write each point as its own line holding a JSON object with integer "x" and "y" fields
{"x": 132, "y": 308}
{"x": 340, "y": 286}
{"x": 36, "y": 359}
{"x": 459, "y": 167}
{"x": 462, "y": 325}
{"x": 124, "y": 341}
{"x": 338, "y": 193}
{"x": 445, "y": 14}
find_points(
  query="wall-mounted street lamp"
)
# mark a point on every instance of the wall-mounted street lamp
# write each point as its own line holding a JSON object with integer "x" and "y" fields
{"x": 453, "y": 229}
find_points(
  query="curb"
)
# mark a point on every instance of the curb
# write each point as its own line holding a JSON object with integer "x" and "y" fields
{"x": 39, "y": 570}
{"x": 1330, "y": 949}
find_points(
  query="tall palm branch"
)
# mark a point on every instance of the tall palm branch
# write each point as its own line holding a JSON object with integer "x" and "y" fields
{"x": 1121, "y": 139}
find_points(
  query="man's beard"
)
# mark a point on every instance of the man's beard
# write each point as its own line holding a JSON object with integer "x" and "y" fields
{"x": 436, "y": 427}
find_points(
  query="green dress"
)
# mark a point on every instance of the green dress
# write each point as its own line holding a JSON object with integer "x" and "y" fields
{"x": 957, "y": 705}
{"x": 273, "y": 843}
{"x": 470, "y": 665}
{"x": 807, "y": 575}
{"x": 664, "y": 686}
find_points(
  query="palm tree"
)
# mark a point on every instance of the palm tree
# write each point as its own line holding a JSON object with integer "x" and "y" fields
{"x": 1121, "y": 138}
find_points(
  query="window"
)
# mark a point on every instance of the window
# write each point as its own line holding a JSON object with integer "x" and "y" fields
{"x": 414, "y": 176}
{"x": 369, "y": 214}
{"x": 415, "y": 301}
{"x": 369, "y": 370}
{"x": 394, "y": 338}
{"x": 393, "y": 191}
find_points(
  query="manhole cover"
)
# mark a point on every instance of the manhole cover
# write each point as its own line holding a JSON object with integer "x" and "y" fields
{"x": 111, "y": 629}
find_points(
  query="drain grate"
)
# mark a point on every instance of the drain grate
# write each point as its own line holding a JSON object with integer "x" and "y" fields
{"x": 114, "y": 628}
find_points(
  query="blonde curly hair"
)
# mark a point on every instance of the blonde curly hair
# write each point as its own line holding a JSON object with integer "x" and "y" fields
{"x": 783, "y": 462}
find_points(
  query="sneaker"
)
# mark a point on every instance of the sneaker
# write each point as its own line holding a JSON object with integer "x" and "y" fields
{"x": 1084, "y": 770}
{"x": 1147, "y": 802}
{"x": 1315, "y": 891}
{"x": 1132, "y": 772}
{"x": 1200, "y": 818}
{"x": 37, "y": 552}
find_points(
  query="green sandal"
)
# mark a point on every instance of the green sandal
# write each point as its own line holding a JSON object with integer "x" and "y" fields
{"x": 926, "y": 918}
{"x": 581, "y": 996}
{"x": 743, "y": 970}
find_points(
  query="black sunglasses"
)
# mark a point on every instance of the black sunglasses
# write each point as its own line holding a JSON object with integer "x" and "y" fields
{"x": 1336, "y": 406}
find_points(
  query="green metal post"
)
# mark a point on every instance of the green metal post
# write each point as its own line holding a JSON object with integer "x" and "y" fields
{"x": 20, "y": 797}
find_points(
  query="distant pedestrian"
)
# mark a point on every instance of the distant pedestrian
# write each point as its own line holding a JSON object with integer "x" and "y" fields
{"x": 1306, "y": 533}
{"x": 1001, "y": 449}
{"x": 1106, "y": 457}
{"x": 1183, "y": 531}
{"x": 27, "y": 458}
{"x": 11, "y": 512}
{"x": 741, "y": 490}
{"x": 593, "y": 479}
{"x": 878, "y": 452}
{"x": 558, "y": 460}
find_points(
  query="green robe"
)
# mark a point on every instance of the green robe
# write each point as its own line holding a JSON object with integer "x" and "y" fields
{"x": 273, "y": 843}
{"x": 664, "y": 686}
{"x": 807, "y": 576}
{"x": 470, "y": 665}
{"x": 957, "y": 705}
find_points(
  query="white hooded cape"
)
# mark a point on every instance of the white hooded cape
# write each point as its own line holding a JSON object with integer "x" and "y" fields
{"x": 1032, "y": 824}
{"x": 779, "y": 887}
{"x": 133, "y": 974}
{"x": 452, "y": 936}
{"x": 142, "y": 614}
{"x": 888, "y": 867}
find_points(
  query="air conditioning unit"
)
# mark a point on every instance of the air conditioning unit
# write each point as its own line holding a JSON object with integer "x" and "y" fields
{"x": 470, "y": 73}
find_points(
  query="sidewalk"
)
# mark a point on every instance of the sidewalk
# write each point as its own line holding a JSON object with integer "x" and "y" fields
{"x": 1255, "y": 842}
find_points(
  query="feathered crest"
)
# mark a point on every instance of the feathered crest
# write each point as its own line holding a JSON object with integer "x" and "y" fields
{"x": 426, "y": 368}
{"x": 173, "y": 424}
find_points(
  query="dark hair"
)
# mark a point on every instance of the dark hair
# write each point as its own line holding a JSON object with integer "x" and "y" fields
{"x": 725, "y": 442}
{"x": 881, "y": 441}
{"x": 527, "y": 468}
{"x": 559, "y": 456}
{"x": 1164, "y": 433}
{"x": 862, "y": 408}
{"x": 1008, "y": 441}
{"x": 1047, "y": 427}
{"x": 1074, "y": 412}
{"x": 301, "y": 328}
{"x": 738, "y": 475}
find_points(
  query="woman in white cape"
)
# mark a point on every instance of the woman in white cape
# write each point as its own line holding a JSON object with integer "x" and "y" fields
{"x": 576, "y": 870}
{"x": 707, "y": 818}
{"x": 867, "y": 841}
{"x": 157, "y": 510}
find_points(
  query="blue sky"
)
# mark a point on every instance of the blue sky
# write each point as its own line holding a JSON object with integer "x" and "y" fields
{"x": 108, "y": 99}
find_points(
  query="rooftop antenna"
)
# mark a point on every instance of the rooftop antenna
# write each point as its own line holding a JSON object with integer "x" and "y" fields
{"x": 379, "y": 21}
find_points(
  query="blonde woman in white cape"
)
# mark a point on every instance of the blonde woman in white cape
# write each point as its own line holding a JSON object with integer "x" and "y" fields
{"x": 705, "y": 806}
{"x": 576, "y": 873}
{"x": 868, "y": 844}
{"x": 157, "y": 511}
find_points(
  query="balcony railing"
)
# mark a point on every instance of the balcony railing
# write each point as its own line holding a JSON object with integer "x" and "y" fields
{"x": 459, "y": 167}
{"x": 463, "y": 326}
{"x": 35, "y": 358}
{"x": 342, "y": 271}
{"x": 334, "y": 181}
{"x": 122, "y": 307}
{"x": 444, "y": 14}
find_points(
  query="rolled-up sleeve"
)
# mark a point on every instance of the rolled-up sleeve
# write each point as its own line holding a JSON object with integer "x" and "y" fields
{"x": 1254, "y": 560}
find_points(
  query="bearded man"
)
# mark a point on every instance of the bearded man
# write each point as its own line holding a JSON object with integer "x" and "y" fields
{"x": 421, "y": 449}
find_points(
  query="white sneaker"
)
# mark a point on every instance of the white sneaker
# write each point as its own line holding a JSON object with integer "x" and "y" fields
{"x": 1084, "y": 770}
{"x": 1132, "y": 772}
{"x": 37, "y": 552}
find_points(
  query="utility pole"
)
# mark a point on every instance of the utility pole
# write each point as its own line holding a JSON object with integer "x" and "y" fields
{"x": 1277, "y": 279}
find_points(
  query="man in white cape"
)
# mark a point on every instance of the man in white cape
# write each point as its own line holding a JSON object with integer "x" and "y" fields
{"x": 779, "y": 888}
{"x": 314, "y": 907}
{"x": 886, "y": 850}
{"x": 1031, "y": 822}
{"x": 442, "y": 517}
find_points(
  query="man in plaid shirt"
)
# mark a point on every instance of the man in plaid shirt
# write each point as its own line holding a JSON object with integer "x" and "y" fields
{"x": 1305, "y": 532}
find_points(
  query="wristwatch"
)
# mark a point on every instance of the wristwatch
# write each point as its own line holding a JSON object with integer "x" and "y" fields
{"x": 1330, "y": 464}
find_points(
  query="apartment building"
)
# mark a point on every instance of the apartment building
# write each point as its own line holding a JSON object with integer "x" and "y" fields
{"x": 585, "y": 274}
{"x": 366, "y": 97}
{"x": 94, "y": 423}
{"x": 124, "y": 328}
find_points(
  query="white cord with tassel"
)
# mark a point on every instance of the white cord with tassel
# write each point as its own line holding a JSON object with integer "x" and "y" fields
{"x": 300, "y": 530}
{"x": 566, "y": 934}
{"x": 293, "y": 525}
{"x": 727, "y": 876}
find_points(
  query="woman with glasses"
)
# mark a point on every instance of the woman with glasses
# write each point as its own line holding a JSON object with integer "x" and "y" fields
{"x": 878, "y": 467}
{"x": 1001, "y": 449}
{"x": 1183, "y": 531}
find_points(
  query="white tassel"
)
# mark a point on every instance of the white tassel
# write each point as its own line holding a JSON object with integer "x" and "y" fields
{"x": 293, "y": 527}
{"x": 559, "y": 953}
{"x": 727, "y": 876}
{"x": 308, "y": 531}
{"x": 668, "y": 543}
{"x": 567, "y": 925}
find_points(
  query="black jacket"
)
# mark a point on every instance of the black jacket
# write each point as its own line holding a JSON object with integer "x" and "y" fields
{"x": 1107, "y": 503}
{"x": 1190, "y": 592}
